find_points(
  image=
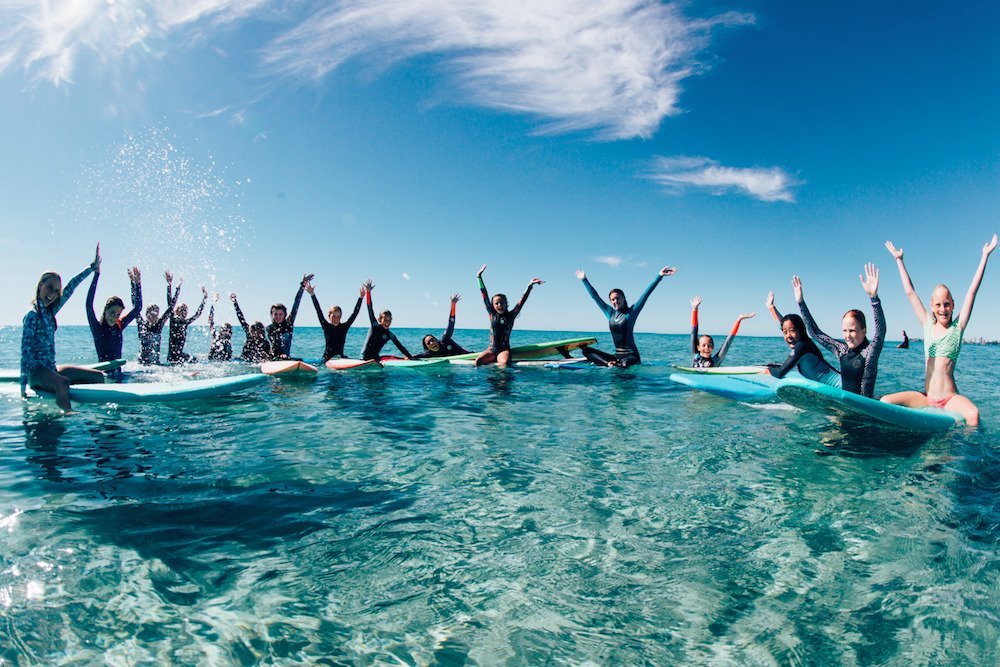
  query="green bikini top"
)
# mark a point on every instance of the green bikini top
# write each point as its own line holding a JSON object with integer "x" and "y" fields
{"x": 948, "y": 345}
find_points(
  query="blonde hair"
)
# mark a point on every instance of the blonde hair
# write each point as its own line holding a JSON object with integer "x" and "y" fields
{"x": 46, "y": 276}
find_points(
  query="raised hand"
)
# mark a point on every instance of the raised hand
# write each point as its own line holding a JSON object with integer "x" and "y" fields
{"x": 770, "y": 301}
{"x": 580, "y": 274}
{"x": 535, "y": 281}
{"x": 745, "y": 316}
{"x": 204, "y": 292}
{"x": 455, "y": 298}
{"x": 988, "y": 248}
{"x": 898, "y": 254}
{"x": 307, "y": 277}
{"x": 797, "y": 288}
{"x": 308, "y": 286}
{"x": 695, "y": 302}
{"x": 134, "y": 275}
{"x": 169, "y": 276}
{"x": 215, "y": 298}
{"x": 481, "y": 269}
{"x": 668, "y": 271}
{"x": 232, "y": 297}
{"x": 367, "y": 286}
{"x": 869, "y": 281}
{"x": 96, "y": 264}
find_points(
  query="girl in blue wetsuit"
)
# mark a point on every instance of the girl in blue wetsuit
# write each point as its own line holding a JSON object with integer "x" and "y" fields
{"x": 805, "y": 356}
{"x": 621, "y": 321}
{"x": 38, "y": 339}
{"x": 108, "y": 329}
{"x": 501, "y": 322}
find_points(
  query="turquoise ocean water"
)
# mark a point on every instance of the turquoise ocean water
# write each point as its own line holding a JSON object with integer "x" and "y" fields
{"x": 523, "y": 516}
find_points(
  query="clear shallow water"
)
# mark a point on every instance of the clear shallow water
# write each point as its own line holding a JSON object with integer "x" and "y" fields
{"x": 485, "y": 516}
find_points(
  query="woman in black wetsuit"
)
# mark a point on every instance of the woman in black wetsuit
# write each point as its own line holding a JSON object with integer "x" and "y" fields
{"x": 379, "y": 334}
{"x": 858, "y": 356}
{"x": 621, "y": 321}
{"x": 179, "y": 323}
{"x": 804, "y": 355}
{"x": 256, "y": 349}
{"x": 501, "y": 322}
{"x": 334, "y": 330}
{"x": 151, "y": 329}
{"x": 282, "y": 326}
{"x": 446, "y": 345}
{"x": 109, "y": 328}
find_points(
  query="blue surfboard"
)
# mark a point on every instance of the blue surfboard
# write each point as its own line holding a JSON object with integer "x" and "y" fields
{"x": 741, "y": 387}
{"x": 159, "y": 392}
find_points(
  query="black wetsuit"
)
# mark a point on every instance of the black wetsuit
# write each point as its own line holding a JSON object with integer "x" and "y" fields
{"x": 378, "y": 336}
{"x": 448, "y": 347}
{"x": 622, "y": 326}
{"x": 108, "y": 337}
{"x": 255, "y": 350}
{"x": 280, "y": 335}
{"x": 698, "y": 361}
{"x": 219, "y": 349}
{"x": 150, "y": 337}
{"x": 335, "y": 334}
{"x": 501, "y": 324}
{"x": 178, "y": 329}
{"x": 859, "y": 367}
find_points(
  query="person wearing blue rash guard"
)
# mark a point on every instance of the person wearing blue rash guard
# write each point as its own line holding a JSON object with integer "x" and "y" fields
{"x": 446, "y": 345}
{"x": 703, "y": 346}
{"x": 179, "y": 323}
{"x": 335, "y": 329}
{"x": 379, "y": 334}
{"x": 108, "y": 329}
{"x": 857, "y": 355}
{"x": 151, "y": 329}
{"x": 38, "y": 340}
{"x": 501, "y": 322}
{"x": 804, "y": 356}
{"x": 621, "y": 322}
{"x": 279, "y": 331}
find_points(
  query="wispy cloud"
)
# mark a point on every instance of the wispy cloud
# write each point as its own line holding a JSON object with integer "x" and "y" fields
{"x": 613, "y": 67}
{"x": 406, "y": 276}
{"x": 614, "y": 261}
{"x": 680, "y": 173}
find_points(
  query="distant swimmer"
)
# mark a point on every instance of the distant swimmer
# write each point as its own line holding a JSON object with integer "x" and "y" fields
{"x": 858, "y": 356}
{"x": 501, "y": 322}
{"x": 906, "y": 341}
{"x": 38, "y": 339}
{"x": 379, "y": 334}
{"x": 282, "y": 326}
{"x": 221, "y": 339}
{"x": 151, "y": 329}
{"x": 942, "y": 341}
{"x": 256, "y": 349}
{"x": 804, "y": 356}
{"x": 335, "y": 328}
{"x": 108, "y": 329}
{"x": 446, "y": 345}
{"x": 702, "y": 346}
{"x": 621, "y": 321}
{"x": 179, "y": 323}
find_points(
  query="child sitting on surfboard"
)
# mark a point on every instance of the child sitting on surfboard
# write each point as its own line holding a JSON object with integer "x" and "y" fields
{"x": 280, "y": 330}
{"x": 107, "y": 330}
{"x": 256, "y": 349}
{"x": 378, "y": 334}
{"x": 446, "y": 345}
{"x": 151, "y": 329}
{"x": 335, "y": 328}
{"x": 501, "y": 322}
{"x": 38, "y": 339}
{"x": 221, "y": 339}
{"x": 702, "y": 346}
{"x": 804, "y": 356}
{"x": 179, "y": 323}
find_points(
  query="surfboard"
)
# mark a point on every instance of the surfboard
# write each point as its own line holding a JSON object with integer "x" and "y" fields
{"x": 348, "y": 364}
{"x": 818, "y": 397}
{"x": 743, "y": 387}
{"x": 400, "y": 362}
{"x": 553, "y": 348}
{"x": 723, "y": 370}
{"x": 161, "y": 392}
{"x": 290, "y": 367}
{"x": 532, "y": 363}
{"x": 14, "y": 375}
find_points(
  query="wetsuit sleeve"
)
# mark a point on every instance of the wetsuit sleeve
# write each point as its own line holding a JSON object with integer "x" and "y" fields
{"x": 800, "y": 349}
{"x": 319, "y": 311}
{"x": 638, "y": 305}
{"x": 486, "y": 297}
{"x": 295, "y": 306}
{"x": 451, "y": 324}
{"x": 28, "y": 332}
{"x": 826, "y": 341}
{"x": 354, "y": 315}
{"x": 694, "y": 331}
{"x": 91, "y": 293}
{"x": 239, "y": 316}
{"x": 524, "y": 299}
{"x": 605, "y": 308}
{"x": 726, "y": 343}
{"x": 70, "y": 287}
{"x": 211, "y": 320}
{"x": 371, "y": 311}
{"x": 878, "y": 338}
{"x": 197, "y": 313}
{"x": 136, "y": 305}
{"x": 399, "y": 346}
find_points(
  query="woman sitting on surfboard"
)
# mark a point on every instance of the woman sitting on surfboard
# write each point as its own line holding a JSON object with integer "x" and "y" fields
{"x": 501, "y": 322}
{"x": 107, "y": 330}
{"x": 621, "y": 321}
{"x": 334, "y": 330}
{"x": 702, "y": 346}
{"x": 379, "y": 334}
{"x": 942, "y": 341}
{"x": 179, "y": 323}
{"x": 256, "y": 349}
{"x": 446, "y": 345}
{"x": 221, "y": 339}
{"x": 38, "y": 340}
{"x": 282, "y": 326}
{"x": 858, "y": 356}
{"x": 805, "y": 356}
{"x": 151, "y": 329}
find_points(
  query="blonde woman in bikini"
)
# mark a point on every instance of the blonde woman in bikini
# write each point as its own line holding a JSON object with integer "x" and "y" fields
{"x": 942, "y": 341}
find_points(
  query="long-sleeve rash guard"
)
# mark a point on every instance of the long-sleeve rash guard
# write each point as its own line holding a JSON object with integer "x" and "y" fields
{"x": 378, "y": 336}
{"x": 858, "y": 367}
{"x": 150, "y": 335}
{"x": 621, "y": 323}
{"x": 255, "y": 349}
{"x": 448, "y": 346}
{"x": 178, "y": 329}
{"x": 108, "y": 337}
{"x": 280, "y": 335}
{"x": 220, "y": 349}
{"x": 501, "y": 324}
{"x": 335, "y": 334}
{"x": 698, "y": 361}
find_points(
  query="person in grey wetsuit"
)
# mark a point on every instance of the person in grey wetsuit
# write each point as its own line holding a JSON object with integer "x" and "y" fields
{"x": 702, "y": 346}
{"x": 621, "y": 321}
{"x": 858, "y": 356}
{"x": 804, "y": 356}
{"x": 379, "y": 334}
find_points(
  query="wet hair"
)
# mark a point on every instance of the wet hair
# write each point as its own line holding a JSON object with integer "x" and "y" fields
{"x": 424, "y": 341}
{"x": 114, "y": 301}
{"x": 226, "y": 330}
{"x": 384, "y": 313}
{"x": 950, "y": 296}
{"x": 620, "y": 291}
{"x": 279, "y": 306}
{"x": 333, "y": 309}
{"x": 151, "y": 307}
{"x": 45, "y": 276}
{"x": 257, "y": 328}
{"x": 710, "y": 339}
{"x": 502, "y": 296}
{"x": 797, "y": 324}
{"x": 858, "y": 315}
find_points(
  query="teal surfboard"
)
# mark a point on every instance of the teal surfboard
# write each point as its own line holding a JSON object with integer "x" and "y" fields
{"x": 397, "y": 362}
{"x": 14, "y": 375}
{"x": 818, "y": 397}
{"x": 552, "y": 348}
{"x": 160, "y": 392}
{"x": 752, "y": 388}
{"x": 723, "y": 370}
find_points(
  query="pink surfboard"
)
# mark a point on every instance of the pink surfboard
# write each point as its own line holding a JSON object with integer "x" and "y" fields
{"x": 290, "y": 367}
{"x": 347, "y": 364}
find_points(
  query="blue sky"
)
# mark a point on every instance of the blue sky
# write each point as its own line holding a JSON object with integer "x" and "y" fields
{"x": 242, "y": 143}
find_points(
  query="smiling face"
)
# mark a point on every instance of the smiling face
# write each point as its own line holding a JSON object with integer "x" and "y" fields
{"x": 152, "y": 314}
{"x": 617, "y": 298}
{"x": 385, "y": 319}
{"x": 112, "y": 312}
{"x": 854, "y": 333}
{"x": 942, "y": 305}
{"x": 500, "y": 304}
{"x": 49, "y": 290}
{"x": 181, "y": 311}
{"x": 790, "y": 333}
{"x": 705, "y": 347}
{"x": 335, "y": 314}
{"x": 278, "y": 315}
{"x": 431, "y": 344}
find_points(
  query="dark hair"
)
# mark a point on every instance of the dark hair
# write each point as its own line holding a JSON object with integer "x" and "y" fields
{"x": 279, "y": 306}
{"x": 858, "y": 315}
{"x": 710, "y": 339}
{"x": 150, "y": 308}
{"x": 502, "y": 296}
{"x": 620, "y": 291}
{"x": 385, "y": 312}
{"x": 797, "y": 324}
{"x": 257, "y": 328}
{"x": 424, "y": 341}
{"x": 114, "y": 301}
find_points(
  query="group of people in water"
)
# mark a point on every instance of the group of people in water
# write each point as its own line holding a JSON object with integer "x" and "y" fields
{"x": 857, "y": 354}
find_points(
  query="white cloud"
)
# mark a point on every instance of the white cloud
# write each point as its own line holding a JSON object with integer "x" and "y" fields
{"x": 406, "y": 276}
{"x": 614, "y": 261}
{"x": 680, "y": 173}
{"x": 613, "y": 66}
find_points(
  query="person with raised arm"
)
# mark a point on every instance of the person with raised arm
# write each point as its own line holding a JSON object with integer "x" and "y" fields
{"x": 221, "y": 339}
{"x": 335, "y": 328}
{"x": 804, "y": 355}
{"x": 379, "y": 333}
{"x": 38, "y": 339}
{"x": 501, "y": 322}
{"x": 857, "y": 355}
{"x": 446, "y": 345}
{"x": 621, "y": 321}
{"x": 179, "y": 323}
{"x": 282, "y": 326}
{"x": 108, "y": 329}
{"x": 942, "y": 341}
{"x": 151, "y": 327}
{"x": 703, "y": 346}
{"x": 256, "y": 349}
